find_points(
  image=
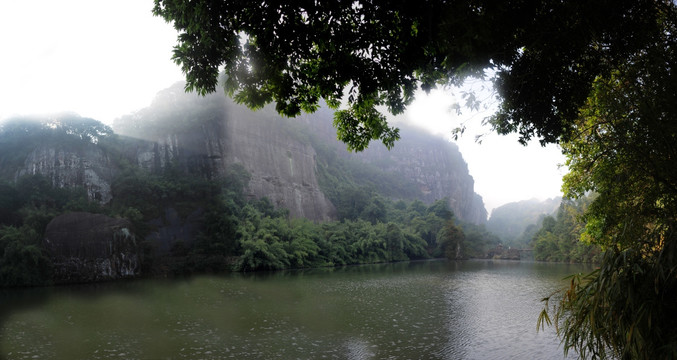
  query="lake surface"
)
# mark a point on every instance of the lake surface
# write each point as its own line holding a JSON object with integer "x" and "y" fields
{"x": 416, "y": 310}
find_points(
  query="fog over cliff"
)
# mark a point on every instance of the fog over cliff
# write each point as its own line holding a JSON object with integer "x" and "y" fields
{"x": 286, "y": 156}
{"x": 296, "y": 163}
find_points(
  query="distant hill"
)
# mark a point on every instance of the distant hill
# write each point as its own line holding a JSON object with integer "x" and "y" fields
{"x": 510, "y": 220}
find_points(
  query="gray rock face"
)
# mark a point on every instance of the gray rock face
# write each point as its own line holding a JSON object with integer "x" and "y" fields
{"x": 91, "y": 247}
{"x": 204, "y": 136}
{"x": 438, "y": 169}
{"x": 197, "y": 150}
{"x": 88, "y": 167}
{"x": 282, "y": 168}
{"x": 434, "y": 164}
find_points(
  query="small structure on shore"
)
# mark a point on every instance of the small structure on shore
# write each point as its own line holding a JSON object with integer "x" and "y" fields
{"x": 499, "y": 252}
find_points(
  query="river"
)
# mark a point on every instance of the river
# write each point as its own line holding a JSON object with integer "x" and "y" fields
{"x": 415, "y": 310}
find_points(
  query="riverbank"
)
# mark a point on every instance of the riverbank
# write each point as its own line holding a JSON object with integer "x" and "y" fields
{"x": 404, "y": 310}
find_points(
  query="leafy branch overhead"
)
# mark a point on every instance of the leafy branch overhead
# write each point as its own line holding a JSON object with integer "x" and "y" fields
{"x": 598, "y": 77}
{"x": 544, "y": 54}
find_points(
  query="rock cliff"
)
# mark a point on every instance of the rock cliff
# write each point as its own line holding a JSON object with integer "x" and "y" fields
{"x": 64, "y": 148}
{"x": 436, "y": 166}
{"x": 282, "y": 168}
{"x": 433, "y": 164}
{"x": 87, "y": 167}
{"x": 91, "y": 247}
{"x": 204, "y": 136}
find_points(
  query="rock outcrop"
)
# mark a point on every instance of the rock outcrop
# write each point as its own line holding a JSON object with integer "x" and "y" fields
{"x": 282, "y": 168}
{"x": 436, "y": 166}
{"x": 83, "y": 166}
{"x": 91, "y": 247}
{"x": 204, "y": 136}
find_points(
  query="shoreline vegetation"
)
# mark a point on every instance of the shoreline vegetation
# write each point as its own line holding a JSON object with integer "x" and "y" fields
{"x": 181, "y": 224}
{"x": 241, "y": 235}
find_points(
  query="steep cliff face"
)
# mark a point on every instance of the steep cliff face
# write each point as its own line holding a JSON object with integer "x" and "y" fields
{"x": 64, "y": 148}
{"x": 198, "y": 151}
{"x": 282, "y": 168}
{"x": 87, "y": 167}
{"x": 205, "y": 135}
{"x": 205, "y": 143}
{"x": 436, "y": 166}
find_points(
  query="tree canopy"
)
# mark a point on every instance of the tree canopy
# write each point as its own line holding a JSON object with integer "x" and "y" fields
{"x": 622, "y": 148}
{"x": 596, "y": 76}
{"x": 544, "y": 55}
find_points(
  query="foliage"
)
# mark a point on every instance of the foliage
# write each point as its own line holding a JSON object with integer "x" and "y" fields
{"x": 27, "y": 207}
{"x": 9, "y": 204}
{"x": 509, "y": 221}
{"x": 624, "y": 310}
{"x": 623, "y": 150}
{"x": 380, "y": 52}
{"x": 477, "y": 240}
{"x": 23, "y": 261}
{"x": 258, "y": 237}
{"x": 559, "y": 238}
{"x": 451, "y": 239}
{"x": 133, "y": 187}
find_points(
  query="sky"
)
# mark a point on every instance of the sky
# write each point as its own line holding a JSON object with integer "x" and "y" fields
{"x": 104, "y": 59}
{"x": 504, "y": 170}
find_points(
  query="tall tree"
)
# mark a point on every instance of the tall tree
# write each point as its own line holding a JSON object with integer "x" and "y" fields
{"x": 545, "y": 54}
{"x": 595, "y": 75}
{"x": 623, "y": 148}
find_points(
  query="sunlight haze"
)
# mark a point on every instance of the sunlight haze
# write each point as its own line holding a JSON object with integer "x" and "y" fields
{"x": 98, "y": 59}
{"x": 504, "y": 170}
{"x": 107, "y": 59}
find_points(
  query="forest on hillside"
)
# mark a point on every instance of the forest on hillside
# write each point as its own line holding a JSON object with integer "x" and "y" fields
{"x": 560, "y": 237}
{"x": 236, "y": 232}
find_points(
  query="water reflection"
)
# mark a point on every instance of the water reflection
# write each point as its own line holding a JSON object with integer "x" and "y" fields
{"x": 417, "y": 310}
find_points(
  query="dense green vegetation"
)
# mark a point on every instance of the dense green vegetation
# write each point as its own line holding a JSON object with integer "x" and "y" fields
{"x": 559, "y": 237}
{"x": 255, "y": 236}
{"x": 234, "y": 233}
{"x": 605, "y": 90}
{"x": 510, "y": 221}
{"x": 25, "y": 210}
{"x": 623, "y": 149}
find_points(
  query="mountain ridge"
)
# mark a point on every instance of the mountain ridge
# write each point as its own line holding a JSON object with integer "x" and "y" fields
{"x": 285, "y": 158}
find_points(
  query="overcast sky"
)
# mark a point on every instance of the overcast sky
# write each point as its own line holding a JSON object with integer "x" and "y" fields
{"x": 104, "y": 59}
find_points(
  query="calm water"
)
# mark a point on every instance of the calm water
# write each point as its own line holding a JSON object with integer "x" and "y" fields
{"x": 418, "y": 310}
